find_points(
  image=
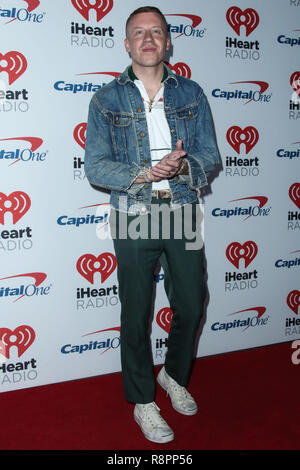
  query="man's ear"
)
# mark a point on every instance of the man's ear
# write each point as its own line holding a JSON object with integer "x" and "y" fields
{"x": 126, "y": 44}
{"x": 168, "y": 44}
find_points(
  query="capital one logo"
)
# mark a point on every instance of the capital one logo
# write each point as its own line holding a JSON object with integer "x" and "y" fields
{"x": 80, "y": 133}
{"x": 18, "y": 203}
{"x": 260, "y": 312}
{"x": 235, "y": 251}
{"x": 181, "y": 69}
{"x": 26, "y": 154}
{"x": 294, "y": 193}
{"x": 164, "y": 318}
{"x": 29, "y": 290}
{"x": 295, "y": 82}
{"x": 22, "y": 338}
{"x": 248, "y": 18}
{"x": 237, "y": 136}
{"x": 32, "y": 4}
{"x": 188, "y": 30}
{"x": 14, "y": 64}
{"x": 293, "y": 300}
{"x": 251, "y": 321}
{"x": 102, "y": 7}
{"x": 88, "y": 264}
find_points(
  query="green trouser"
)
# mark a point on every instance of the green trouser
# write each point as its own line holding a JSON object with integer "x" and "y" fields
{"x": 184, "y": 283}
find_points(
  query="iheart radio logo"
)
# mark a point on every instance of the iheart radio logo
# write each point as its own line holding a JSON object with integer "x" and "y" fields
{"x": 248, "y": 18}
{"x": 180, "y": 68}
{"x": 14, "y": 64}
{"x": 235, "y": 251}
{"x": 88, "y": 264}
{"x": 295, "y": 82}
{"x": 22, "y": 338}
{"x": 294, "y": 193}
{"x": 237, "y": 136}
{"x": 293, "y": 300}
{"x": 164, "y": 318}
{"x": 80, "y": 133}
{"x": 18, "y": 203}
{"x": 102, "y": 7}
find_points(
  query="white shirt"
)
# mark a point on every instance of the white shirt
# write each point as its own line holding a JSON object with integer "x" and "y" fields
{"x": 158, "y": 128}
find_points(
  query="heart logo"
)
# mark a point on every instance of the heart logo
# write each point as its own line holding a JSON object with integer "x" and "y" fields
{"x": 235, "y": 251}
{"x": 102, "y": 7}
{"x": 295, "y": 82}
{"x": 294, "y": 193}
{"x": 22, "y": 338}
{"x": 237, "y": 136}
{"x": 164, "y": 318}
{"x": 79, "y": 134}
{"x": 293, "y": 300}
{"x": 237, "y": 18}
{"x": 180, "y": 68}
{"x": 18, "y": 203}
{"x": 15, "y": 65}
{"x": 87, "y": 265}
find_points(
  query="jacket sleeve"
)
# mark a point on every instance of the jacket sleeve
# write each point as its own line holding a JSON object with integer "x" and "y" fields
{"x": 203, "y": 156}
{"x": 100, "y": 167}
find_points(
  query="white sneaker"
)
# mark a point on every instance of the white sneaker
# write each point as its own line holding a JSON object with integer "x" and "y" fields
{"x": 182, "y": 400}
{"x": 153, "y": 426}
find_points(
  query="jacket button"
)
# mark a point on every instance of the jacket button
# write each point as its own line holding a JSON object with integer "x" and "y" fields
{"x": 142, "y": 134}
{"x": 139, "y": 110}
{"x": 146, "y": 186}
{"x": 190, "y": 114}
{"x": 146, "y": 161}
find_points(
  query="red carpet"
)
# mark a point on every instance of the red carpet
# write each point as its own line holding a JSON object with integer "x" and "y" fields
{"x": 247, "y": 400}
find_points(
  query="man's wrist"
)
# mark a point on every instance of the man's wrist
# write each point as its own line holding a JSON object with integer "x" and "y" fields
{"x": 144, "y": 174}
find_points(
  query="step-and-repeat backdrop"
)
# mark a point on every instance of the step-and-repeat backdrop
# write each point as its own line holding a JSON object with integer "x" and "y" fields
{"x": 59, "y": 306}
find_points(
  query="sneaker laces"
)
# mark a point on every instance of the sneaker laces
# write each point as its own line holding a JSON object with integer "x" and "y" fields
{"x": 180, "y": 393}
{"x": 152, "y": 414}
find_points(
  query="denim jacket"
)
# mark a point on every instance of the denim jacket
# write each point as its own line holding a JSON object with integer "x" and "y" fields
{"x": 117, "y": 144}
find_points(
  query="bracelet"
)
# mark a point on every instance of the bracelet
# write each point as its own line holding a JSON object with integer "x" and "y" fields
{"x": 145, "y": 173}
{"x": 146, "y": 176}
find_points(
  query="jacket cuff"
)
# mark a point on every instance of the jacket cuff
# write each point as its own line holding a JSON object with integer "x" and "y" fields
{"x": 134, "y": 188}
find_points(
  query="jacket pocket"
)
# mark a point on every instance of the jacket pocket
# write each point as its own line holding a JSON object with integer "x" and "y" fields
{"x": 186, "y": 119}
{"x": 121, "y": 134}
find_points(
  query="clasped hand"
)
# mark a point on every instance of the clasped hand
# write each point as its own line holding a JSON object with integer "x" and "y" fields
{"x": 169, "y": 165}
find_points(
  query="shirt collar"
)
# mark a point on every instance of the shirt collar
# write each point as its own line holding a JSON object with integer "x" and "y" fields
{"x": 133, "y": 77}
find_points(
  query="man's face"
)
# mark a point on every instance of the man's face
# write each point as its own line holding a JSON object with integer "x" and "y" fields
{"x": 146, "y": 40}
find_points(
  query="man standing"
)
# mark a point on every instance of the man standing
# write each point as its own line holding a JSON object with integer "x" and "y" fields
{"x": 150, "y": 141}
